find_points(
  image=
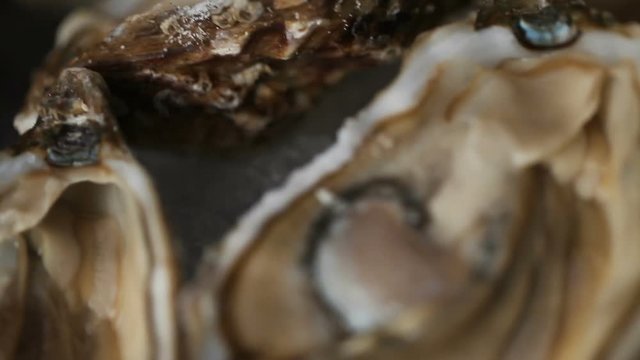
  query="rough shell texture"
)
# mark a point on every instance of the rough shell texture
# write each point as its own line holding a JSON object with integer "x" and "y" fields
{"x": 216, "y": 72}
{"x": 86, "y": 269}
{"x": 484, "y": 206}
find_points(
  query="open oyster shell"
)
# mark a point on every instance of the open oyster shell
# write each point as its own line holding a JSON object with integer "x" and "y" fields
{"x": 484, "y": 206}
{"x": 86, "y": 269}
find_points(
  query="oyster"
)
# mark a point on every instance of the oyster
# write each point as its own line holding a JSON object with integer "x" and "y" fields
{"x": 483, "y": 206}
{"x": 86, "y": 267}
{"x": 221, "y": 71}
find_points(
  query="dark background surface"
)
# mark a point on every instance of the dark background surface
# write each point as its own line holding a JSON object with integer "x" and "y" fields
{"x": 203, "y": 194}
{"x": 26, "y": 35}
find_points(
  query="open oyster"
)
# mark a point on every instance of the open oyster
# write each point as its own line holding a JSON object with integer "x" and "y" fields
{"x": 86, "y": 269}
{"x": 484, "y": 206}
{"x": 86, "y": 266}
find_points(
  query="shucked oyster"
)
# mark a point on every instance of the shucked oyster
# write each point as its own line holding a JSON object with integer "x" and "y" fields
{"x": 86, "y": 269}
{"x": 484, "y": 206}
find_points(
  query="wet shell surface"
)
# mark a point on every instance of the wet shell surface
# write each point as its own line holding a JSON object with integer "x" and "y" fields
{"x": 483, "y": 206}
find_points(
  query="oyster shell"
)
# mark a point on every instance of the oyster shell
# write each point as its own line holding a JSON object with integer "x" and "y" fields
{"x": 221, "y": 71}
{"x": 86, "y": 267}
{"x": 484, "y": 206}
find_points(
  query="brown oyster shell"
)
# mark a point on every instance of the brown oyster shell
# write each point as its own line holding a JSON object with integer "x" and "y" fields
{"x": 86, "y": 266}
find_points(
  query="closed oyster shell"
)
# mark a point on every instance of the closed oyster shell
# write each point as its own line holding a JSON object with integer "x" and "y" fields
{"x": 483, "y": 206}
{"x": 219, "y": 72}
{"x": 86, "y": 268}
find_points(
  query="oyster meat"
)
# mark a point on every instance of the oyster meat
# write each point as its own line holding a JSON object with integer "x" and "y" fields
{"x": 483, "y": 206}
